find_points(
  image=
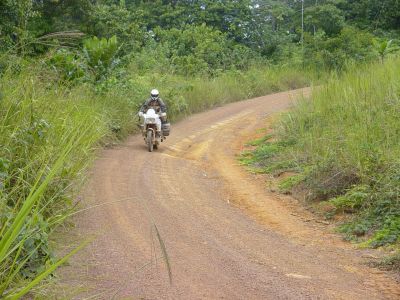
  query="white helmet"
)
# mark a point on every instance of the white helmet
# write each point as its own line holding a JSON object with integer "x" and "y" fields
{"x": 154, "y": 94}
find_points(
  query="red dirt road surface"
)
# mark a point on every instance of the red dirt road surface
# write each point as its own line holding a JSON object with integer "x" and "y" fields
{"x": 226, "y": 235}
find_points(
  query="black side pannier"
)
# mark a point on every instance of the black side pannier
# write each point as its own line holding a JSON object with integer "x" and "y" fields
{"x": 166, "y": 128}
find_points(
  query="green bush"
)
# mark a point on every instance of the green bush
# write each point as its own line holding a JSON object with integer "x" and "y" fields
{"x": 68, "y": 64}
{"x": 100, "y": 55}
{"x": 334, "y": 53}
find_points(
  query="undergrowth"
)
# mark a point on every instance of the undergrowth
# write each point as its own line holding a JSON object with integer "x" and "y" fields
{"x": 343, "y": 145}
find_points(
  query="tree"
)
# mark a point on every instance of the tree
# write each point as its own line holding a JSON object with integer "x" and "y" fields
{"x": 373, "y": 14}
{"x": 116, "y": 20}
{"x": 269, "y": 30}
{"x": 200, "y": 49}
{"x": 227, "y": 16}
{"x": 326, "y": 17}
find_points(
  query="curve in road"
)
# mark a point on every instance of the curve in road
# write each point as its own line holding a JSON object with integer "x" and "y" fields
{"x": 226, "y": 235}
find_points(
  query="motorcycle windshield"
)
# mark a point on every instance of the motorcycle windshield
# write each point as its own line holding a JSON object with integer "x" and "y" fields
{"x": 151, "y": 112}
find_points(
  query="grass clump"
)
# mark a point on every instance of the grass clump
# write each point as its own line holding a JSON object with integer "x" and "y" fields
{"x": 391, "y": 262}
{"x": 287, "y": 184}
{"x": 344, "y": 145}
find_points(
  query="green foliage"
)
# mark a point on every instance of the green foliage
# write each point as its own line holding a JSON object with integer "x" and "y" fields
{"x": 325, "y": 17}
{"x": 100, "y": 55}
{"x": 345, "y": 145}
{"x": 335, "y": 53}
{"x": 36, "y": 122}
{"x": 228, "y": 17}
{"x": 353, "y": 200}
{"x": 259, "y": 141}
{"x": 15, "y": 17}
{"x": 201, "y": 50}
{"x": 261, "y": 159}
{"x": 116, "y": 20}
{"x": 389, "y": 234}
{"x": 287, "y": 184}
{"x": 23, "y": 235}
{"x": 384, "y": 48}
{"x": 385, "y": 232}
{"x": 68, "y": 64}
{"x": 270, "y": 28}
{"x": 364, "y": 13}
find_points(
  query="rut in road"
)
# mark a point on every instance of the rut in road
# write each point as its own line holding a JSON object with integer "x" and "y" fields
{"x": 227, "y": 237}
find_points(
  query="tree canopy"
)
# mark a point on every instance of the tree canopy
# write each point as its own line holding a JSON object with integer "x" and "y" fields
{"x": 201, "y": 32}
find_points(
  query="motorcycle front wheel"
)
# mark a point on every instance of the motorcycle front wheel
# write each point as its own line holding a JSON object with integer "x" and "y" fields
{"x": 150, "y": 140}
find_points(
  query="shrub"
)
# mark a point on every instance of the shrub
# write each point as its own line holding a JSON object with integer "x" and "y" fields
{"x": 100, "y": 55}
{"x": 68, "y": 64}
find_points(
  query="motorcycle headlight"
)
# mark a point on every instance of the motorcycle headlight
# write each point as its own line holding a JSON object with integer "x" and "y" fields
{"x": 150, "y": 120}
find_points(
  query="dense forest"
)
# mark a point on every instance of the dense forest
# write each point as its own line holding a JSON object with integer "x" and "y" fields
{"x": 74, "y": 72}
{"x": 195, "y": 37}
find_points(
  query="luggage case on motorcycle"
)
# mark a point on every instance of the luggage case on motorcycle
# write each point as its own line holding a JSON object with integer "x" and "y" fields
{"x": 166, "y": 128}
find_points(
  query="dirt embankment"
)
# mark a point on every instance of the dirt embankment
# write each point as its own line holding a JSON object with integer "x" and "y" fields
{"x": 227, "y": 237}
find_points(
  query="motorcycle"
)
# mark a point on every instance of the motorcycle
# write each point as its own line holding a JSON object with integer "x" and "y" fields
{"x": 152, "y": 121}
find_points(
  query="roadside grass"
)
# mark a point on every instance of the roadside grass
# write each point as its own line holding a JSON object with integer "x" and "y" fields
{"x": 185, "y": 95}
{"x": 236, "y": 85}
{"x": 391, "y": 262}
{"x": 47, "y": 136}
{"x": 344, "y": 149}
{"x": 50, "y": 131}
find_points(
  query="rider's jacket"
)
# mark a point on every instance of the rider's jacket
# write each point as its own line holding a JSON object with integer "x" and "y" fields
{"x": 156, "y": 104}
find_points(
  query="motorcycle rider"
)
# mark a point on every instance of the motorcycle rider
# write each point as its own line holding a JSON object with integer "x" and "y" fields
{"x": 156, "y": 103}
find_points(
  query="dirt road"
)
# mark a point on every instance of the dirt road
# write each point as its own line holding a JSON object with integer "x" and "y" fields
{"x": 226, "y": 235}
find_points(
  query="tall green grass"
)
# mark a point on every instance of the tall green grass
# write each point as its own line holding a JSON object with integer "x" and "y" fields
{"x": 344, "y": 144}
{"x": 20, "y": 228}
{"x": 187, "y": 95}
{"x": 49, "y": 133}
{"x": 235, "y": 85}
{"x": 46, "y": 135}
